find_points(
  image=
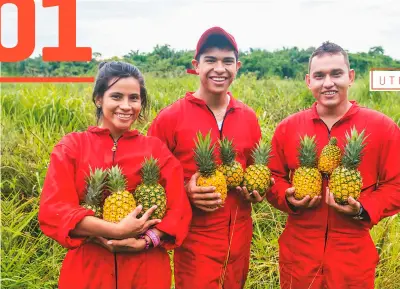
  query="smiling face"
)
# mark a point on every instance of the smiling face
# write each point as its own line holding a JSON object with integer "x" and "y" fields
{"x": 120, "y": 105}
{"x": 329, "y": 80}
{"x": 217, "y": 69}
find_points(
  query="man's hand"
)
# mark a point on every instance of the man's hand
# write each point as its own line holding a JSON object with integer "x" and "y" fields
{"x": 120, "y": 246}
{"x": 254, "y": 197}
{"x": 203, "y": 198}
{"x": 352, "y": 209}
{"x": 306, "y": 203}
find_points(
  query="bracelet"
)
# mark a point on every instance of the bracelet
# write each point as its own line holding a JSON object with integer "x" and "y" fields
{"x": 154, "y": 237}
{"x": 147, "y": 242}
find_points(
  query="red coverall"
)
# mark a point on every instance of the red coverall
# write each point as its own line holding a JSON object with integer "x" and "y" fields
{"x": 88, "y": 265}
{"x": 321, "y": 248}
{"x": 199, "y": 262}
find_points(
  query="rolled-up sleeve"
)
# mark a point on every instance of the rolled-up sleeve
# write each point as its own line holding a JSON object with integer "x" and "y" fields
{"x": 179, "y": 213}
{"x": 59, "y": 210}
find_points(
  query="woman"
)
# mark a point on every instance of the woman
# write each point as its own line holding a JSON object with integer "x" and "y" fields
{"x": 131, "y": 253}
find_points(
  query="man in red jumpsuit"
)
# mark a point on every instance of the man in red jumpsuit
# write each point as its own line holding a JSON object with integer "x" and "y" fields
{"x": 216, "y": 252}
{"x": 325, "y": 245}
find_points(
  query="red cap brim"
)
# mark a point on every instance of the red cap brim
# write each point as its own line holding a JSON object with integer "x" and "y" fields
{"x": 192, "y": 71}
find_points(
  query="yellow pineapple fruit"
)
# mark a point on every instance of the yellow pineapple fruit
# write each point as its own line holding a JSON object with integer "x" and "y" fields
{"x": 95, "y": 183}
{"x": 330, "y": 157}
{"x": 120, "y": 202}
{"x": 231, "y": 168}
{"x": 205, "y": 160}
{"x": 150, "y": 192}
{"x": 258, "y": 176}
{"x": 307, "y": 180}
{"x": 346, "y": 180}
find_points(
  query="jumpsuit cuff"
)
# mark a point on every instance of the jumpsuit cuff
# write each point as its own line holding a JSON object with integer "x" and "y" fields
{"x": 70, "y": 222}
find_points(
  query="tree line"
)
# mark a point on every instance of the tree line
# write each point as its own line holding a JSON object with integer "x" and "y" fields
{"x": 165, "y": 61}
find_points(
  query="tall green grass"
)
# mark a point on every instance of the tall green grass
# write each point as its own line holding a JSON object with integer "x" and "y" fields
{"x": 36, "y": 116}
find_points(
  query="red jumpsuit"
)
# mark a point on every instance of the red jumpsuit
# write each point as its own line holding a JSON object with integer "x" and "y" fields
{"x": 199, "y": 262}
{"x": 88, "y": 265}
{"x": 321, "y": 248}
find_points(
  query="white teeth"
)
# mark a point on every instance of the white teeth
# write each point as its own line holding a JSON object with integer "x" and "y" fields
{"x": 218, "y": 78}
{"x": 329, "y": 92}
{"x": 124, "y": 116}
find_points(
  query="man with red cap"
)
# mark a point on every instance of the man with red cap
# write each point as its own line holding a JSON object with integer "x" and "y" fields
{"x": 216, "y": 252}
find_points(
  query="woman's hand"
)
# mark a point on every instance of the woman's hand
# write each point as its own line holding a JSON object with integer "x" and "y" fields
{"x": 130, "y": 226}
{"x": 129, "y": 245}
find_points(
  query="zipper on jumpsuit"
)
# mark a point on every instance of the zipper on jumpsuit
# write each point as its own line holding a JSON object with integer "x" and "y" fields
{"x": 114, "y": 149}
{"x": 222, "y": 277}
{"x": 325, "y": 176}
{"x": 223, "y": 120}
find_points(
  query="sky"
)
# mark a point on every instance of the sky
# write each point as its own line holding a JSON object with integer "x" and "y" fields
{"x": 113, "y": 28}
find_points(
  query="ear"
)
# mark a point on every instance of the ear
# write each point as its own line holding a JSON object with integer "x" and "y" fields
{"x": 195, "y": 64}
{"x": 352, "y": 76}
{"x": 307, "y": 79}
{"x": 238, "y": 65}
{"x": 99, "y": 101}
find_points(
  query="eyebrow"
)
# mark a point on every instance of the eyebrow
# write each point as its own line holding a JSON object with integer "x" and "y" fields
{"x": 119, "y": 93}
{"x": 337, "y": 70}
{"x": 214, "y": 58}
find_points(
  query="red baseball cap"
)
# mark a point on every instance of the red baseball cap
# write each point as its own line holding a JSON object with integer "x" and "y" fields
{"x": 204, "y": 37}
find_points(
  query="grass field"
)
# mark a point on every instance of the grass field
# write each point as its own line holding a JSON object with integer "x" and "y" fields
{"x": 35, "y": 116}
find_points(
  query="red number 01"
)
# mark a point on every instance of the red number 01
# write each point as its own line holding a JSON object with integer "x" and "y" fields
{"x": 66, "y": 50}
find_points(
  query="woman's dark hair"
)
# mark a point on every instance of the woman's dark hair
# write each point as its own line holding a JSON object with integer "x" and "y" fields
{"x": 116, "y": 69}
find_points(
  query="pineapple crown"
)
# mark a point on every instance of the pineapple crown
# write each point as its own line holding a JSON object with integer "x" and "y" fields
{"x": 308, "y": 151}
{"x": 204, "y": 154}
{"x": 333, "y": 141}
{"x": 150, "y": 171}
{"x": 227, "y": 150}
{"x": 116, "y": 180}
{"x": 261, "y": 153}
{"x": 95, "y": 183}
{"x": 353, "y": 149}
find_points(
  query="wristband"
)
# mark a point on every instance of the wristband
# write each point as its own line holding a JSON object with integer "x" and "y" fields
{"x": 154, "y": 237}
{"x": 147, "y": 242}
{"x": 359, "y": 216}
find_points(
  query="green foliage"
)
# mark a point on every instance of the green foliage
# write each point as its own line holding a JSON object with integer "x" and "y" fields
{"x": 166, "y": 62}
{"x": 36, "y": 116}
{"x": 29, "y": 258}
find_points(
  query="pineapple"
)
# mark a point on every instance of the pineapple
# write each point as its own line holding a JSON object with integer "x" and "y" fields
{"x": 95, "y": 183}
{"x": 330, "y": 157}
{"x": 346, "y": 180}
{"x": 258, "y": 176}
{"x": 231, "y": 169}
{"x": 150, "y": 192}
{"x": 307, "y": 180}
{"x": 209, "y": 175}
{"x": 120, "y": 202}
